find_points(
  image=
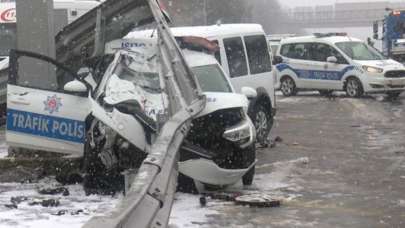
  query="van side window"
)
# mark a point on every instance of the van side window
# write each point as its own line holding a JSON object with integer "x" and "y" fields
{"x": 296, "y": 51}
{"x": 320, "y": 52}
{"x": 258, "y": 54}
{"x": 236, "y": 57}
{"x": 217, "y": 54}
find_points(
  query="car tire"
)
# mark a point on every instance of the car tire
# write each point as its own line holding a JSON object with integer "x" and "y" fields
{"x": 288, "y": 86}
{"x": 393, "y": 95}
{"x": 263, "y": 121}
{"x": 97, "y": 178}
{"x": 249, "y": 158}
{"x": 353, "y": 87}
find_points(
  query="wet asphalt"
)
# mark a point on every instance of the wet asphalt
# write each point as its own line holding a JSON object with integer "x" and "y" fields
{"x": 341, "y": 163}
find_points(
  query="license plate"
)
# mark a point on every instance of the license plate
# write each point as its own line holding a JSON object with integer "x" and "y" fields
{"x": 397, "y": 82}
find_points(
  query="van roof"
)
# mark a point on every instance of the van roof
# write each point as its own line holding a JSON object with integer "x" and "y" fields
{"x": 218, "y": 30}
{"x": 329, "y": 39}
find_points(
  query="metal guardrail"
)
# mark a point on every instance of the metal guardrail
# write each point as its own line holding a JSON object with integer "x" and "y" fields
{"x": 149, "y": 199}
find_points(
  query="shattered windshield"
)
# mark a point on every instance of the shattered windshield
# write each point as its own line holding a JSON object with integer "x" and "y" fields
{"x": 211, "y": 79}
{"x": 7, "y": 38}
{"x": 139, "y": 73}
{"x": 359, "y": 51}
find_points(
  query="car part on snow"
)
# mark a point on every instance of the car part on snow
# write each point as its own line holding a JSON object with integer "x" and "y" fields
{"x": 257, "y": 200}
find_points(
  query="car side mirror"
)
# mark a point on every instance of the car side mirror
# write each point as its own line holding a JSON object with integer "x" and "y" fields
{"x": 249, "y": 92}
{"x": 331, "y": 59}
{"x": 277, "y": 60}
{"x": 75, "y": 86}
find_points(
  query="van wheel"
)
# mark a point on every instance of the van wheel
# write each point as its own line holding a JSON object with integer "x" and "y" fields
{"x": 263, "y": 121}
{"x": 353, "y": 87}
{"x": 249, "y": 158}
{"x": 288, "y": 87}
{"x": 393, "y": 95}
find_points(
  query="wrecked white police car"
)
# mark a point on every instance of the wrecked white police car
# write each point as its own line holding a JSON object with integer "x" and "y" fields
{"x": 126, "y": 84}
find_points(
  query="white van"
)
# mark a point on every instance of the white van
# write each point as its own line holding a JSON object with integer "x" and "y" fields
{"x": 330, "y": 62}
{"x": 244, "y": 54}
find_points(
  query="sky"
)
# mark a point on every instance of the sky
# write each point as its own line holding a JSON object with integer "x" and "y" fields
{"x": 293, "y": 3}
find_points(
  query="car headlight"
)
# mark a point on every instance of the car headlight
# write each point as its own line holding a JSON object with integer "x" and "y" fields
{"x": 239, "y": 133}
{"x": 373, "y": 69}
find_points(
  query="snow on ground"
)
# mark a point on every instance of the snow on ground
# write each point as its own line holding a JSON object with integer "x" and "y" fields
{"x": 78, "y": 207}
{"x": 188, "y": 213}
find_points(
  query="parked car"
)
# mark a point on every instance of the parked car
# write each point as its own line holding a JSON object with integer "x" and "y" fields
{"x": 245, "y": 56}
{"x": 331, "y": 62}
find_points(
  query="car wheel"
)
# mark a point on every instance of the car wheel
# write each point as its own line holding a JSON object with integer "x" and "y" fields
{"x": 263, "y": 121}
{"x": 249, "y": 158}
{"x": 393, "y": 95}
{"x": 325, "y": 93}
{"x": 97, "y": 178}
{"x": 288, "y": 86}
{"x": 353, "y": 87}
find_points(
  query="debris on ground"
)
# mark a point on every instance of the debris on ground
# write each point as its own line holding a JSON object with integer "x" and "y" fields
{"x": 54, "y": 191}
{"x": 257, "y": 200}
{"x": 278, "y": 139}
{"x": 11, "y": 206}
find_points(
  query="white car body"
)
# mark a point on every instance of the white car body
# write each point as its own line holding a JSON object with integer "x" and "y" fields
{"x": 201, "y": 170}
{"x": 309, "y": 74}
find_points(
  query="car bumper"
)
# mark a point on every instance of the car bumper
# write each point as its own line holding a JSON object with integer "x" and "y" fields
{"x": 207, "y": 172}
{"x": 385, "y": 84}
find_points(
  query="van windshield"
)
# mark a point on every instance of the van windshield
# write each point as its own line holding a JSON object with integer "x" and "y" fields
{"x": 7, "y": 38}
{"x": 211, "y": 79}
{"x": 359, "y": 51}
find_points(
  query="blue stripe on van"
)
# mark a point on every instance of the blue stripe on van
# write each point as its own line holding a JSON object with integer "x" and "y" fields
{"x": 316, "y": 74}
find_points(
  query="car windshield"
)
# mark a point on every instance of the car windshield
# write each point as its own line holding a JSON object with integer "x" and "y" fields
{"x": 7, "y": 38}
{"x": 359, "y": 51}
{"x": 211, "y": 79}
{"x": 141, "y": 74}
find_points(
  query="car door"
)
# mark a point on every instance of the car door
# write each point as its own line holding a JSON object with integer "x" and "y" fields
{"x": 327, "y": 75}
{"x": 40, "y": 114}
{"x": 296, "y": 55}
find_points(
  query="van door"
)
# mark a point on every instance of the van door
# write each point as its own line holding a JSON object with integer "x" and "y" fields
{"x": 259, "y": 62}
{"x": 41, "y": 115}
{"x": 327, "y": 75}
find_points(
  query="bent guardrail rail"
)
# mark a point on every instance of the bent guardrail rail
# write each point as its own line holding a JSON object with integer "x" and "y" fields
{"x": 149, "y": 199}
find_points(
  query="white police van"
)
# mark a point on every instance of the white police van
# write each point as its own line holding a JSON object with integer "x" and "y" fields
{"x": 333, "y": 61}
{"x": 245, "y": 56}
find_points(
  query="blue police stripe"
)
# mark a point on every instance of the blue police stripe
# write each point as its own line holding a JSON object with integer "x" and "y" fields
{"x": 46, "y": 126}
{"x": 316, "y": 74}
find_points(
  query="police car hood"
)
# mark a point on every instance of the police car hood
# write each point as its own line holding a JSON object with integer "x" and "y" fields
{"x": 84, "y": 37}
{"x": 386, "y": 65}
{"x": 219, "y": 101}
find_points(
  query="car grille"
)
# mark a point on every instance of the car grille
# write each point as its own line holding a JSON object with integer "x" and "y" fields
{"x": 207, "y": 131}
{"x": 395, "y": 74}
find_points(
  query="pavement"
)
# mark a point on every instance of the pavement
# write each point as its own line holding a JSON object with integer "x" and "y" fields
{"x": 341, "y": 163}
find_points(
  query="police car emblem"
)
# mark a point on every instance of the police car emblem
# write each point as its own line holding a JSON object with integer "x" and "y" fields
{"x": 52, "y": 104}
